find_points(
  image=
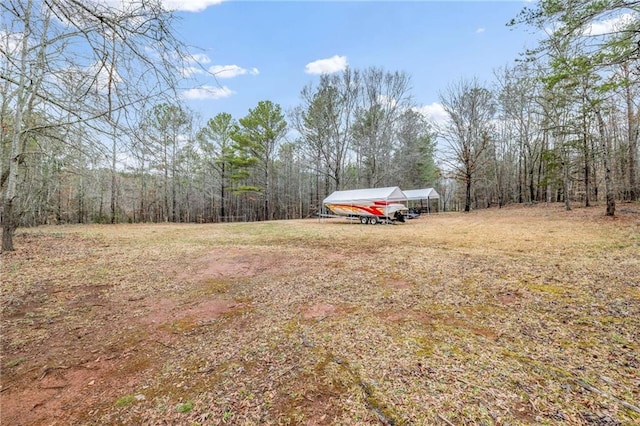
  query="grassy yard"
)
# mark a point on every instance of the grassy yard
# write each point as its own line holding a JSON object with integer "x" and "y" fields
{"x": 523, "y": 315}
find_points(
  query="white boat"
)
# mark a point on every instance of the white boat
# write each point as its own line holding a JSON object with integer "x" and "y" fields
{"x": 373, "y": 205}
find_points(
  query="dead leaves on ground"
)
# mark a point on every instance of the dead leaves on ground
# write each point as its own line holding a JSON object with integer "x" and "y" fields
{"x": 512, "y": 316}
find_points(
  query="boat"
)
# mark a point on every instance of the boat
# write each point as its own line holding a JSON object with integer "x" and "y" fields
{"x": 372, "y": 205}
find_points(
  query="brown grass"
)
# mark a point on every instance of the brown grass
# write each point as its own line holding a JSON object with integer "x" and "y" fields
{"x": 524, "y": 315}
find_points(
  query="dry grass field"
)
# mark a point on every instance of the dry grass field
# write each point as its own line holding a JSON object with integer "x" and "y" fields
{"x": 523, "y": 315}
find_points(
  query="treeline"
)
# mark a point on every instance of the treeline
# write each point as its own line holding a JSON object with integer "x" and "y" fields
{"x": 355, "y": 129}
{"x": 93, "y": 134}
{"x": 504, "y": 141}
{"x": 522, "y": 140}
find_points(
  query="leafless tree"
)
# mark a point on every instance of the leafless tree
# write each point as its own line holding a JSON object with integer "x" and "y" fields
{"x": 468, "y": 131}
{"x": 325, "y": 121}
{"x": 45, "y": 42}
{"x": 384, "y": 97}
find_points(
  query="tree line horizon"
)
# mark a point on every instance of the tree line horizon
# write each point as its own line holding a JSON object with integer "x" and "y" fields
{"x": 560, "y": 125}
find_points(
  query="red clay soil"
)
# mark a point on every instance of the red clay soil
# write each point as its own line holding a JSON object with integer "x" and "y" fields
{"x": 78, "y": 369}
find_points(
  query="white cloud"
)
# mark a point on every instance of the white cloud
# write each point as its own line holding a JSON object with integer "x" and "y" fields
{"x": 387, "y": 101}
{"x": 198, "y": 58}
{"x": 98, "y": 76}
{"x": 207, "y": 92}
{"x": 10, "y": 42}
{"x": 480, "y": 30}
{"x": 327, "y": 66}
{"x": 178, "y": 5}
{"x": 230, "y": 71}
{"x": 191, "y": 71}
{"x": 194, "y": 62}
{"x": 610, "y": 25}
{"x": 189, "y": 5}
{"x": 434, "y": 112}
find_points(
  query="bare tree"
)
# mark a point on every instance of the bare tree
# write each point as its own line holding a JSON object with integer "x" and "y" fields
{"x": 576, "y": 53}
{"x": 37, "y": 62}
{"x": 518, "y": 97}
{"x": 383, "y": 99}
{"x": 22, "y": 76}
{"x": 468, "y": 130}
{"x": 167, "y": 127}
{"x": 632, "y": 104}
{"x": 325, "y": 120}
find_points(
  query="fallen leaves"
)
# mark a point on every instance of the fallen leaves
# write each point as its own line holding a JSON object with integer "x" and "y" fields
{"x": 499, "y": 316}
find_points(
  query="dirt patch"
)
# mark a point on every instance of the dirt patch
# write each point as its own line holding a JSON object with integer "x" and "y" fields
{"x": 57, "y": 392}
{"x": 210, "y": 309}
{"x": 397, "y": 284}
{"x": 90, "y": 344}
{"x": 508, "y": 298}
{"x": 319, "y": 311}
{"x": 236, "y": 263}
{"x": 524, "y": 412}
{"x": 33, "y": 300}
{"x": 162, "y": 311}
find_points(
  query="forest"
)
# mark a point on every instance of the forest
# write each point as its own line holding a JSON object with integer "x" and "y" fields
{"x": 93, "y": 130}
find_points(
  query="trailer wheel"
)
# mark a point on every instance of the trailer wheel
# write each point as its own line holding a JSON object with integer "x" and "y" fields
{"x": 373, "y": 220}
{"x": 364, "y": 220}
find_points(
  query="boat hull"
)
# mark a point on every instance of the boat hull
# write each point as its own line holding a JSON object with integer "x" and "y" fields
{"x": 380, "y": 210}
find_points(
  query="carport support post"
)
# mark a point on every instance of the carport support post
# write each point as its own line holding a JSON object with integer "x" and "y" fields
{"x": 386, "y": 209}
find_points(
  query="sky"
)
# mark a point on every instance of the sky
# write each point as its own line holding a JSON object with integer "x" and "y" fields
{"x": 269, "y": 50}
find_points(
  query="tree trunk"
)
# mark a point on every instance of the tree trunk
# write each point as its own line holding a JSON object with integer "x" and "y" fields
{"x": 110, "y": 84}
{"x": 633, "y": 129}
{"x": 594, "y": 171}
{"x": 8, "y": 225}
{"x": 113, "y": 184}
{"x": 587, "y": 182}
{"x": 165, "y": 210}
{"x": 520, "y": 172}
{"x": 267, "y": 191}
{"x": 532, "y": 188}
{"x": 174, "y": 201}
{"x": 565, "y": 184}
{"x": 222, "y": 194}
{"x": 608, "y": 183}
{"x": 467, "y": 201}
{"x": 143, "y": 204}
{"x": 9, "y": 218}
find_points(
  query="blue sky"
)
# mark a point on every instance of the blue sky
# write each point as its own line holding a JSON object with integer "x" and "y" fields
{"x": 269, "y": 50}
